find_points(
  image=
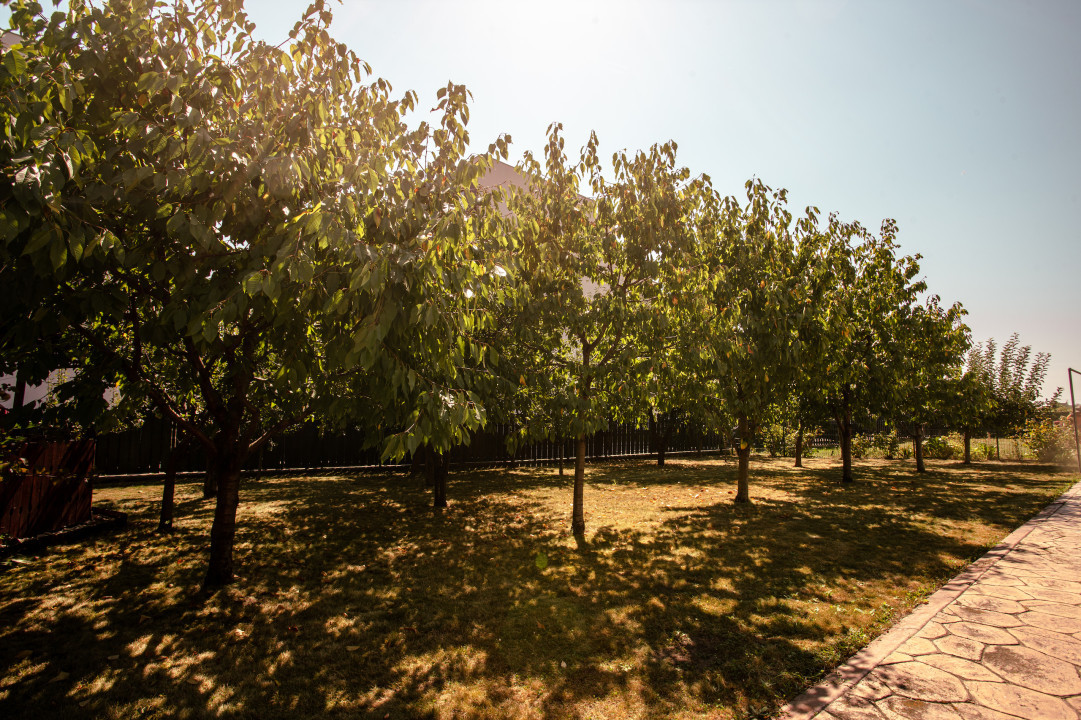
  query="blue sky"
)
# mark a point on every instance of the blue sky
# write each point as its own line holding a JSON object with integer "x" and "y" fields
{"x": 960, "y": 119}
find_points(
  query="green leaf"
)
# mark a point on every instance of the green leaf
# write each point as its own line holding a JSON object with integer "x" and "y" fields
{"x": 270, "y": 286}
{"x": 15, "y": 62}
{"x": 9, "y": 225}
{"x": 253, "y": 283}
{"x": 149, "y": 82}
{"x": 41, "y": 237}
{"x": 201, "y": 232}
{"x": 177, "y": 224}
{"x": 304, "y": 270}
{"x": 58, "y": 255}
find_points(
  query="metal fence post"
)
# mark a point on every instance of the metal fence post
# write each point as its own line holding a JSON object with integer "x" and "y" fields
{"x": 1073, "y": 417}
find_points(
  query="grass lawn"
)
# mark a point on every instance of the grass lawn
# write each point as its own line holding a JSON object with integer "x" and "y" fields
{"x": 355, "y": 599}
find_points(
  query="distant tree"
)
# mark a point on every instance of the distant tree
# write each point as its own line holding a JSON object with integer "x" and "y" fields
{"x": 675, "y": 388}
{"x": 971, "y": 398}
{"x": 449, "y": 384}
{"x": 812, "y": 396}
{"x": 590, "y": 264}
{"x": 1013, "y": 381}
{"x": 935, "y": 340}
{"x": 756, "y": 294}
{"x": 862, "y": 327}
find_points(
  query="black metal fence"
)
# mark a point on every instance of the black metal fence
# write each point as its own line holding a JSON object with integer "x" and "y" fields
{"x": 146, "y": 449}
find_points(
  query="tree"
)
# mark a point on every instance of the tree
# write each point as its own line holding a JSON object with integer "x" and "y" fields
{"x": 810, "y": 386}
{"x": 185, "y": 196}
{"x": 935, "y": 341}
{"x": 447, "y": 382}
{"x": 1008, "y": 388}
{"x": 589, "y": 265}
{"x": 673, "y": 387}
{"x": 860, "y": 332}
{"x": 972, "y": 397}
{"x": 755, "y": 295}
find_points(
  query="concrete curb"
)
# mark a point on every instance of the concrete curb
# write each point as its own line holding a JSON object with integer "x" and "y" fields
{"x": 816, "y": 699}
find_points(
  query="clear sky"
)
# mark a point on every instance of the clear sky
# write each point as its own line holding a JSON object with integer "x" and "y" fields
{"x": 960, "y": 119}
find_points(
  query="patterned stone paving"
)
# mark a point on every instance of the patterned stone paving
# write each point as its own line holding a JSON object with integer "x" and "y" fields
{"x": 1001, "y": 641}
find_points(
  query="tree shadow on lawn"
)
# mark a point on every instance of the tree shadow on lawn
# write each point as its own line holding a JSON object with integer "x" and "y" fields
{"x": 357, "y": 600}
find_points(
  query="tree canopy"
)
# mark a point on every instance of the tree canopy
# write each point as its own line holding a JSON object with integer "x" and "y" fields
{"x": 243, "y": 237}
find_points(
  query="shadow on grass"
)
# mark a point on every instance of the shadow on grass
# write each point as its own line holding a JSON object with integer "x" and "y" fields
{"x": 356, "y": 600}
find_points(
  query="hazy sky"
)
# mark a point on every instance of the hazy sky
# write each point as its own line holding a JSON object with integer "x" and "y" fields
{"x": 961, "y": 119}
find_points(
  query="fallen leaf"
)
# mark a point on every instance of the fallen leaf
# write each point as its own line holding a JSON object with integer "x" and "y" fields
{"x": 352, "y": 648}
{"x": 62, "y": 676}
{"x": 114, "y": 657}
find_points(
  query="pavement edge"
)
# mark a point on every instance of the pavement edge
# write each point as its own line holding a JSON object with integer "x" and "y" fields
{"x": 814, "y": 700}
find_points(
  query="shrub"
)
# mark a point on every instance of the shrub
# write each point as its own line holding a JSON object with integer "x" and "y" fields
{"x": 859, "y": 445}
{"x": 775, "y": 438}
{"x": 938, "y": 448}
{"x": 891, "y": 444}
{"x": 1051, "y": 444}
{"x": 978, "y": 448}
{"x": 779, "y": 440}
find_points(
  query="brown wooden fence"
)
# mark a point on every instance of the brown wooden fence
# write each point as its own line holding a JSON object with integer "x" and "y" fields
{"x": 54, "y": 491}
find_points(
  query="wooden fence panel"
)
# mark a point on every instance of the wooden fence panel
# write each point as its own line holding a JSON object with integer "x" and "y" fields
{"x": 53, "y": 494}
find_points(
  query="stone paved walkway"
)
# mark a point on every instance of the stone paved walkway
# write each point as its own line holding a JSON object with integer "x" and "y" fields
{"x": 1001, "y": 641}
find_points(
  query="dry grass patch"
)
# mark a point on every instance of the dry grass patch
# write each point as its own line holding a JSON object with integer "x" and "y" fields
{"x": 357, "y": 600}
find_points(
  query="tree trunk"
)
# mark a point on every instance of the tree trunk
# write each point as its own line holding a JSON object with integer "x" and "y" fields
{"x": 998, "y": 456}
{"x": 662, "y": 446}
{"x": 968, "y": 447}
{"x": 562, "y": 454}
{"x": 799, "y": 446}
{"x": 743, "y": 491}
{"x": 211, "y": 483}
{"x": 918, "y": 443}
{"x": 653, "y": 443}
{"x": 416, "y": 464}
{"x": 578, "y": 516}
{"x": 222, "y": 533}
{"x": 844, "y": 424}
{"x": 429, "y": 467}
{"x": 441, "y": 465}
{"x": 168, "y": 492}
{"x": 19, "y": 399}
